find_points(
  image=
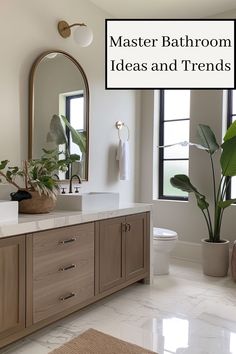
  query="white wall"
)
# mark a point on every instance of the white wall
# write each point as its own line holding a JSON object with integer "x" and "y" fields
{"x": 29, "y": 28}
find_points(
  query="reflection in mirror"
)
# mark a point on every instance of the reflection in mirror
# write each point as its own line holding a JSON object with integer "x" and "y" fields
{"x": 58, "y": 114}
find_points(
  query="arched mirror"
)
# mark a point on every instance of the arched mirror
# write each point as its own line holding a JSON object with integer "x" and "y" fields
{"x": 59, "y": 110}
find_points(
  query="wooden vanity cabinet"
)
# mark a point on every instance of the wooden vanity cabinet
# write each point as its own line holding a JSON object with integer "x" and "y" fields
{"x": 49, "y": 274}
{"x": 123, "y": 250}
{"x": 12, "y": 285}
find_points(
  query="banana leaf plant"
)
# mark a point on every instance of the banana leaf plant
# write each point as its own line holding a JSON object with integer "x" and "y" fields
{"x": 57, "y": 134}
{"x": 209, "y": 144}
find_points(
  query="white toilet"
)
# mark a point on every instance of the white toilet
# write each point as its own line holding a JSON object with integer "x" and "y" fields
{"x": 164, "y": 241}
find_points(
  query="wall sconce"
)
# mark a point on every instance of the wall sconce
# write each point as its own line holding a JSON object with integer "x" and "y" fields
{"x": 83, "y": 35}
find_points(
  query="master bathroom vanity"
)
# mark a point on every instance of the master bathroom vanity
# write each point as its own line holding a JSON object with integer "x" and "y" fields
{"x": 55, "y": 264}
{"x": 52, "y": 265}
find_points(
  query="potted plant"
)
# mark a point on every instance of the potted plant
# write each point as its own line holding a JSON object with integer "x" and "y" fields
{"x": 36, "y": 181}
{"x": 215, "y": 251}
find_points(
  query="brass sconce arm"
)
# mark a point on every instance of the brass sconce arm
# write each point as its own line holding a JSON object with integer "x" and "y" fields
{"x": 65, "y": 29}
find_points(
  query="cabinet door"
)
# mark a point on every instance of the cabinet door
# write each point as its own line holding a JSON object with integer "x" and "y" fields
{"x": 111, "y": 253}
{"x": 12, "y": 285}
{"x": 136, "y": 245}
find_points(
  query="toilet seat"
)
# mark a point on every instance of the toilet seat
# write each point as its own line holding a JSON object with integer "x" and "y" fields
{"x": 164, "y": 234}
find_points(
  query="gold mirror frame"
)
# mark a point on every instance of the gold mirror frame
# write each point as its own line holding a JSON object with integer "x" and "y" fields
{"x": 31, "y": 102}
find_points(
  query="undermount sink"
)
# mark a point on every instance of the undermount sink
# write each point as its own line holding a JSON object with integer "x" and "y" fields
{"x": 8, "y": 211}
{"x": 88, "y": 201}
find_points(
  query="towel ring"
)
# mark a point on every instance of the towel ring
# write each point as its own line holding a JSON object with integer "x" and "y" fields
{"x": 119, "y": 126}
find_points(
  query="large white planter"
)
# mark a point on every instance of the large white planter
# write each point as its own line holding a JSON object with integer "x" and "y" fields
{"x": 215, "y": 258}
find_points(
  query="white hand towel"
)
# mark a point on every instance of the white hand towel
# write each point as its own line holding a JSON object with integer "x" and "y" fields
{"x": 124, "y": 160}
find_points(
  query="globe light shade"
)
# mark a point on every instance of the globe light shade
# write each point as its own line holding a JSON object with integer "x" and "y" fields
{"x": 83, "y": 35}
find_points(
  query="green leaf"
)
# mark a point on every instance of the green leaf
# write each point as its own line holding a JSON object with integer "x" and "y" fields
{"x": 34, "y": 172}
{"x": 49, "y": 152}
{"x": 3, "y": 164}
{"x": 48, "y": 182}
{"x": 231, "y": 132}
{"x": 57, "y": 132}
{"x": 14, "y": 170}
{"x": 9, "y": 175}
{"x": 183, "y": 183}
{"x": 201, "y": 202}
{"x": 74, "y": 157}
{"x": 226, "y": 203}
{"x": 228, "y": 157}
{"x": 207, "y": 138}
{"x": 77, "y": 137}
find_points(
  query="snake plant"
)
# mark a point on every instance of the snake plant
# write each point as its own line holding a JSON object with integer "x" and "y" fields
{"x": 209, "y": 144}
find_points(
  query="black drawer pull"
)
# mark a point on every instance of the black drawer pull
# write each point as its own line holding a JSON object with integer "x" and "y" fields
{"x": 64, "y": 242}
{"x": 71, "y": 266}
{"x": 67, "y": 297}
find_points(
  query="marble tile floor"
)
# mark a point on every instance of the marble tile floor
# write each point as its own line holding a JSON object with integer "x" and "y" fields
{"x": 184, "y": 312}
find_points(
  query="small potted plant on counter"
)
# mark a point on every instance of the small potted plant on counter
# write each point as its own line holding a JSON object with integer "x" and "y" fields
{"x": 36, "y": 181}
{"x": 215, "y": 250}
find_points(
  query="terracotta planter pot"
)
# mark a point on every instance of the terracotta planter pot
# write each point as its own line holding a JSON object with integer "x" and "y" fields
{"x": 215, "y": 258}
{"x": 38, "y": 204}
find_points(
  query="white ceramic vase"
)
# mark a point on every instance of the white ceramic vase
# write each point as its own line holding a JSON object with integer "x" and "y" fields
{"x": 215, "y": 258}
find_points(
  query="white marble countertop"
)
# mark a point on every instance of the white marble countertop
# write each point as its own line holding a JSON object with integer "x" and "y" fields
{"x": 32, "y": 223}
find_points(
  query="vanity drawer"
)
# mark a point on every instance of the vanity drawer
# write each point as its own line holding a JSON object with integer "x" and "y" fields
{"x": 61, "y": 241}
{"x": 77, "y": 263}
{"x": 54, "y": 298}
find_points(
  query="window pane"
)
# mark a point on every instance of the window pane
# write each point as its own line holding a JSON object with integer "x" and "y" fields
{"x": 234, "y": 101}
{"x": 172, "y": 168}
{"x": 177, "y": 104}
{"x": 233, "y": 187}
{"x": 176, "y": 132}
{"x": 76, "y": 120}
{"x": 77, "y": 113}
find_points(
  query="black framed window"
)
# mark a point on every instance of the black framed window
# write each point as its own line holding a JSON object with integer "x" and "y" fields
{"x": 231, "y": 117}
{"x": 174, "y": 128}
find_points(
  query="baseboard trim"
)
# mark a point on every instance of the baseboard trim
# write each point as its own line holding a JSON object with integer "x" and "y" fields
{"x": 189, "y": 251}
